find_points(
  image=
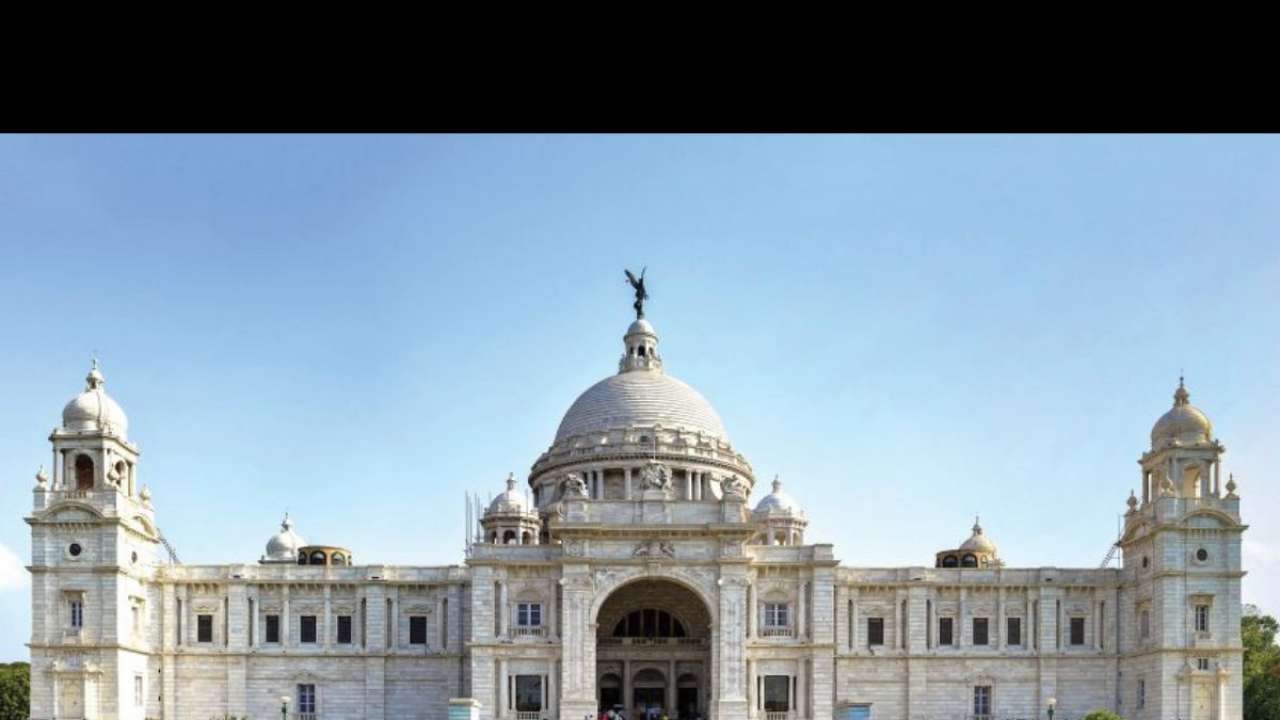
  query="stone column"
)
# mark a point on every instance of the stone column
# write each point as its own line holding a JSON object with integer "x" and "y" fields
{"x": 626, "y": 482}
{"x": 801, "y": 610}
{"x": 503, "y": 611}
{"x": 671, "y": 688}
{"x": 854, "y": 625}
{"x": 999, "y": 635}
{"x": 753, "y": 612}
{"x": 549, "y": 619}
{"x": 802, "y": 688}
{"x": 503, "y": 684}
{"x": 962, "y": 620}
{"x": 578, "y": 666}
{"x": 328, "y": 613}
{"x": 688, "y": 485}
{"x": 897, "y": 620}
{"x": 626, "y": 687}
{"x": 284, "y": 618}
{"x": 730, "y": 696}
{"x": 751, "y": 689}
{"x": 552, "y": 709}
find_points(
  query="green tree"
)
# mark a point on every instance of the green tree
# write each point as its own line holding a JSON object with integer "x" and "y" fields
{"x": 1102, "y": 715}
{"x": 15, "y": 691}
{"x": 1261, "y": 665}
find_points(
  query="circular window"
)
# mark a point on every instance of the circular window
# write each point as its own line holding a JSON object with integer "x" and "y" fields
{"x": 1202, "y": 554}
{"x": 74, "y": 549}
{"x": 1146, "y": 562}
{"x": 133, "y": 557}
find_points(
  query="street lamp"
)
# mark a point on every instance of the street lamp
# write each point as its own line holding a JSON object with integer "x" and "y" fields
{"x": 284, "y": 707}
{"x": 1053, "y": 703}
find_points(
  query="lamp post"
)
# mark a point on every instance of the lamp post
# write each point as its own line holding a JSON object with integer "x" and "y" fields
{"x": 284, "y": 707}
{"x": 1053, "y": 703}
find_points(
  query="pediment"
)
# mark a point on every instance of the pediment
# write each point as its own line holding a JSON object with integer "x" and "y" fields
{"x": 71, "y": 512}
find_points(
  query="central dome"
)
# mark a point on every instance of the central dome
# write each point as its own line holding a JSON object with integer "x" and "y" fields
{"x": 640, "y": 399}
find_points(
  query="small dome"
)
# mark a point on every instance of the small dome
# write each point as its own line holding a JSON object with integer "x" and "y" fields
{"x": 94, "y": 409}
{"x": 978, "y": 541}
{"x": 778, "y": 502}
{"x": 510, "y": 501}
{"x": 1184, "y": 423}
{"x": 641, "y": 327}
{"x": 284, "y": 545}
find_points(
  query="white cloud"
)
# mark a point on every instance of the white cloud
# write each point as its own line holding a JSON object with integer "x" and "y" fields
{"x": 13, "y": 574}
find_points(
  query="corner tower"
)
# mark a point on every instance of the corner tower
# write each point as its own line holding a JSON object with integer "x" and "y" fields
{"x": 94, "y": 547}
{"x": 1180, "y": 643}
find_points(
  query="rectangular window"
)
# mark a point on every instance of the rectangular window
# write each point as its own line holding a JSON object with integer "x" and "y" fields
{"x": 1144, "y": 624}
{"x": 775, "y": 615}
{"x": 307, "y": 630}
{"x": 777, "y": 693}
{"x": 1142, "y": 693}
{"x": 1013, "y": 633}
{"x": 946, "y": 631}
{"x": 417, "y": 629}
{"x": 76, "y": 608}
{"x": 1202, "y": 618}
{"x": 344, "y": 629}
{"x": 1202, "y": 663}
{"x": 982, "y": 701}
{"x": 273, "y": 629}
{"x": 980, "y": 631}
{"x": 137, "y": 690}
{"x": 875, "y": 631}
{"x": 1077, "y": 631}
{"x": 136, "y": 615}
{"x": 528, "y": 693}
{"x": 204, "y": 628}
{"x": 307, "y": 699}
{"x": 529, "y": 614}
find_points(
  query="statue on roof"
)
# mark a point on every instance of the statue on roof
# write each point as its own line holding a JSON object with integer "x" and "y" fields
{"x": 641, "y": 294}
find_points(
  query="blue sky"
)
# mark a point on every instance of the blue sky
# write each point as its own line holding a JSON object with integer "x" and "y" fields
{"x": 908, "y": 329}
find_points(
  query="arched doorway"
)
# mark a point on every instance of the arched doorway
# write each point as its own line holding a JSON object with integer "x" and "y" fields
{"x": 653, "y": 651}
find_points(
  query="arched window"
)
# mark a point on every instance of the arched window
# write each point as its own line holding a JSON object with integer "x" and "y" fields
{"x": 339, "y": 559}
{"x": 302, "y": 557}
{"x": 950, "y": 561}
{"x": 84, "y": 472}
{"x": 526, "y": 538}
{"x": 317, "y": 558}
{"x": 493, "y": 538}
{"x": 649, "y": 623}
{"x": 969, "y": 560}
{"x": 509, "y": 537}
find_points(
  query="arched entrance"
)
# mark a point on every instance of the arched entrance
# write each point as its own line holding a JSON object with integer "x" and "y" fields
{"x": 653, "y": 651}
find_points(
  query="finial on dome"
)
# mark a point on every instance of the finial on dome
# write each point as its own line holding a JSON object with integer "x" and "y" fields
{"x": 637, "y": 284}
{"x": 511, "y": 481}
{"x": 1132, "y": 502}
{"x": 1181, "y": 396}
{"x": 1231, "y": 485}
{"x": 94, "y": 379}
{"x": 777, "y": 484}
{"x": 977, "y": 526}
{"x": 286, "y": 524}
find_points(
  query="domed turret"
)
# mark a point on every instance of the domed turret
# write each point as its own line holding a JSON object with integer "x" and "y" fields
{"x": 778, "y": 502}
{"x": 784, "y": 521}
{"x": 511, "y": 500}
{"x": 283, "y": 547}
{"x": 978, "y": 551}
{"x": 94, "y": 410}
{"x": 510, "y": 519}
{"x": 1184, "y": 423}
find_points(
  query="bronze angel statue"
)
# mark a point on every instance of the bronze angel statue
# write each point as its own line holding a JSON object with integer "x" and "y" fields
{"x": 641, "y": 294}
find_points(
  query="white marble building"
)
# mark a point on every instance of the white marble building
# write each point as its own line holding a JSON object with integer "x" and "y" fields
{"x": 633, "y": 571}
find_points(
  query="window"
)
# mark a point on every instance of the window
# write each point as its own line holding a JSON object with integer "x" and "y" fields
{"x": 1144, "y": 624}
{"x": 76, "y": 607}
{"x": 344, "y": 629}
{"x": 307, "y": 699}
{"x": 950, "y": 561}
{"x": 982, "y": 701}
{"x": 777, "y": 693}
{"x": 137, "y": 690}
{"x": 775, "y": 615}
{"x": 417, "y": 629}
{"x": 204, "y": 628}
{"x": 875, "y": 631}
{"x": 307, "y": 630}
{"x": 1202, "y": 663}
{"x": 649, "y": 623}
{"x": 1202, "y": 618}
{"x": 75, "y": 549}
{"x": 84, "y": 472}
{"x": 1142, "y": 693}
{"x": 946, "y": 631}
{"x": 135, "y": 613}
{"x": 1013, "y": 634}
{"x": 1202, "y": 555}
{"x": 1077, "y": 631}
{"x": 969, "y": 561}
{"x": 529, "y": 614}
{"x": 528, "y": 693}
{"x": 1146, "y": 562}
{"x": 980, "y": 631}
{"x": 273, "y": 628}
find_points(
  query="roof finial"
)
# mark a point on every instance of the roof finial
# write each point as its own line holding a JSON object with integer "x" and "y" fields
{"x": 511, "y": 481}
{"x": 1181, "y": 396}
{"x": 777, "y": 484}
{"x": 94, "y": 379}
{"x": 641, "y": 294}
{"x": 286, "y": 524}
{"x": 977, "y": 525}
